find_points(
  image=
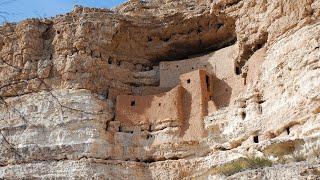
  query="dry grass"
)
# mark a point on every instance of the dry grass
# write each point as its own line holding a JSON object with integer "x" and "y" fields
{"x": 241, "y": 165}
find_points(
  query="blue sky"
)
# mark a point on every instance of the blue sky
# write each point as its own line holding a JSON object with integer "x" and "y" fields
{"x": 22, "y": 9}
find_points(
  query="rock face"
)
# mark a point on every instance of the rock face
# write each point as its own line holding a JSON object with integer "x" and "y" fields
{"x": 163, "y": 89}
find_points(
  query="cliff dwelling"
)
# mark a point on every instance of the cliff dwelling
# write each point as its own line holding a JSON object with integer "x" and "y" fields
{"x": 184, "y": 107}
{"x": 189, "y": 90}
{"x": 163, "y": 89}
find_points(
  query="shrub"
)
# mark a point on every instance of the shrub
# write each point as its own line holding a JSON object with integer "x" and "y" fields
{"x": 241, "y": 165}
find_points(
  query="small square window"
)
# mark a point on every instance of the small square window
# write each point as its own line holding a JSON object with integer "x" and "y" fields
{"x": 238, "y": 70}
{"x": 188, "y": 81}
{"x": 133, "y": 103}
{"x": 208, "y": 82}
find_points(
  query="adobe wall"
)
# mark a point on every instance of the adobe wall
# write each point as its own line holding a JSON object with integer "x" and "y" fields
{"x": 150, "y": 109}
{"x": 220, "y": 63}
{"x": 149, "y": 90}
{"x": 198, "y": 90}
{"x": 184, "y": 106}
{"x": 226, "y": 83}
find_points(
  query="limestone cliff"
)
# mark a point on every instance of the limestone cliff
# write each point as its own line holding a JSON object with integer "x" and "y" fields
{"x": 163, "y": 89}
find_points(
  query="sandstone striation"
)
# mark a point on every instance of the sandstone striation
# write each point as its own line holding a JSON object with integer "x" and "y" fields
{"x": 163, "y": 89}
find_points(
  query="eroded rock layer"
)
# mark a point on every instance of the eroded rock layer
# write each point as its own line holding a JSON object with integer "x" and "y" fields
{"x": 159, "y": 89}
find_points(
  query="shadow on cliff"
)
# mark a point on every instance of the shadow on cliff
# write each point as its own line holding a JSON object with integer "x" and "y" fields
{"x": 221, "y": 92}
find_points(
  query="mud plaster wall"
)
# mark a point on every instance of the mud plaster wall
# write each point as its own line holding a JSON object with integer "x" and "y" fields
{"x": 149, "y": 90}
{"x": 196, "y": 99}
{"x": 226, "y": 83}
{"x": 183, "y": 106}
{"x": 220, "y": 63}
{"x": 150, "y": 109}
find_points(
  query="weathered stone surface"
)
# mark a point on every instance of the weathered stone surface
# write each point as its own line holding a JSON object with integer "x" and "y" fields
{"x": 62, "y": 82}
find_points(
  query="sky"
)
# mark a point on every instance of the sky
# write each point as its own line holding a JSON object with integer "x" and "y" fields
{"x": 17, "y": 10}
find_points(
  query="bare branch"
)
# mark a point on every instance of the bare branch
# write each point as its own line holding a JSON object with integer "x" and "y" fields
{"x": 48, "y": 89}
{"x": 15, "y": 67}
{"x": 21, "y": 115}
{"x": 10, "y": 145}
